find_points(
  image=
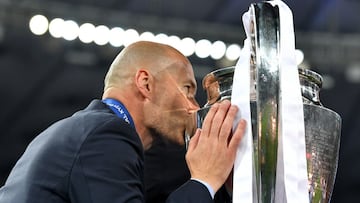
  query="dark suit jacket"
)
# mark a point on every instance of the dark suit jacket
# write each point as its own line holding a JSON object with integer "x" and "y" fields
{"x": 92, "y": 156}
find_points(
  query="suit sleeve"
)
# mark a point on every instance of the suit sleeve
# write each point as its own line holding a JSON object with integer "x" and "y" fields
{"x": 109, "y": 168}
{"x": 190, "y": 192}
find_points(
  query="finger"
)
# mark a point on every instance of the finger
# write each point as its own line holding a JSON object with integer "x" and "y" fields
{"x": 194, "y": 140}
{"x": 227, "y": 125}
{"x": 208, "y": 119}
{"x": 219, "y": 118}
{"x": 237, "y": 136}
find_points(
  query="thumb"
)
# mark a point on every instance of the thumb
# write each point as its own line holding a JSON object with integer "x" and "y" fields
{"x": 194, "y": 140}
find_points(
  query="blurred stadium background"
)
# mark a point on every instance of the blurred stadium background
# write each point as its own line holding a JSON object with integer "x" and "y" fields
{"x": 47, "y": 72}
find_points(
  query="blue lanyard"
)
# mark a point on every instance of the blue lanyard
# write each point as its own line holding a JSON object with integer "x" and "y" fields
{"x": 119, "y": 109}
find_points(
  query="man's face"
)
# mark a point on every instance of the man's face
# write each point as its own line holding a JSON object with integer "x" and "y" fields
{"x": 174, "y": 104}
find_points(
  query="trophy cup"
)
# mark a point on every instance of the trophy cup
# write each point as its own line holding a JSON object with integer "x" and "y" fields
{"x": 322, "y": 125}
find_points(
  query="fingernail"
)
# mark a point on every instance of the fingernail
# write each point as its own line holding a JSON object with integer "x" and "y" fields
{"x": 243, "y": 121}
{"x": 226, "y": 100}
{"x": 234, "y": 107}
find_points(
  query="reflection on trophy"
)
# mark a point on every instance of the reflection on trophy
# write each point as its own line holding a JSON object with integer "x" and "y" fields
{"x": 322, "y": 125}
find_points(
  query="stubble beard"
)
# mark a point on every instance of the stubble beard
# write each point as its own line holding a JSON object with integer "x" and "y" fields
{"x": 158, "y": 135}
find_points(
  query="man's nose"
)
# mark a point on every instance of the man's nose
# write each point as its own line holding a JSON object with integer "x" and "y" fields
{"x": 193, "y": 105}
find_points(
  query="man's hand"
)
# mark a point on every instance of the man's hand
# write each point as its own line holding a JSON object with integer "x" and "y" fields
{"x": 212, "y": 149}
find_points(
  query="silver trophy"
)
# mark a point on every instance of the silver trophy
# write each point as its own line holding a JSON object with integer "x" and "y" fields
{"x": 322, "y": 125}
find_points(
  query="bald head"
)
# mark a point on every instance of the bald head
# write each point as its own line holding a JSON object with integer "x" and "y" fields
{"x": 155, "y": 83}
{"x": 147, "y": 55}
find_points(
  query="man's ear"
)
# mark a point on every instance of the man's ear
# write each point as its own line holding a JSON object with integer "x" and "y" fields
{"x": 143, "y": 81}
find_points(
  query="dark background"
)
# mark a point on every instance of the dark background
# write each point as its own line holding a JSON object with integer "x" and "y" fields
{"x": 43, "y": 79}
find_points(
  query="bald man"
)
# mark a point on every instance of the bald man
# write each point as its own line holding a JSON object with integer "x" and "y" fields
{"x": 96, "y": 155}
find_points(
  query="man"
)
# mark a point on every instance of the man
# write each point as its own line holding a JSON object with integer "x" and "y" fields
{"x": 96, "y": 155}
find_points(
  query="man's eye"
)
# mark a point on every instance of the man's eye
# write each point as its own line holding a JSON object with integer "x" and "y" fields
{"x": 187, "y": 89}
